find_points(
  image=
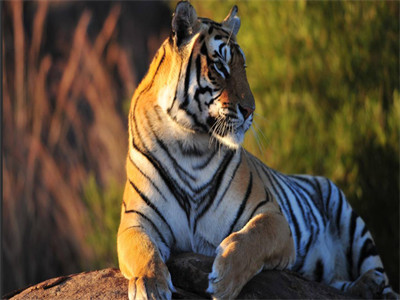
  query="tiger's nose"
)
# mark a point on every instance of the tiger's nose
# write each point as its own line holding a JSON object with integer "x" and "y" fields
{"x": 246, "y": 111}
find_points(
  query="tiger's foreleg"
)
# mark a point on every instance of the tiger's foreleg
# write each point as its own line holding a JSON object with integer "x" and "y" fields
{"x": 265, "y": 242}
{"x": 140, "y": 262}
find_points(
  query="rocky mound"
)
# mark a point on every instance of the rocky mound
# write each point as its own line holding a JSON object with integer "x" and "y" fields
{"x": 189, "y": 274}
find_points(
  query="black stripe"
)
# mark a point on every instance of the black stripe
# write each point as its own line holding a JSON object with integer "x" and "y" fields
{"x": 300, "y": 190}
{"x": 339, "y": 212}
{"x": 262, "y": 203}
{"x": 163, "y": 146}
{"x": 189, "y": 150}
{"x": 268, "y": 198}
{"x": 304, "y": 254}
{"x": 201, "y": 38}
{"x": 364, "y": 231}
{"x": 197, "y": 125}
{"x": 153, "y": 207}
{"x": 150, "y": 85}
{"x": 186, "y": 85}
{"x": 318, "y": 201}
{"x": 147, "y": 219}
{"x": 345, "y": 285}
{"x": 130, "y": 227}
{"x": 209, "y": 22}
{"x": 205, "y": 163}
{"x": 176, "y": 90}
{"x": 256, "y": 167}
{"x": 288, "y": 184}
{"x": 182, "y": 173}
{"x": 198, "y": 69}
{"x": 352, "y": 229}
{"x": 328, "y": 200}
{"x": 219, "y": 37}
{"x": 200, "y": 127}
{"x": 201, "y": 91}
{"x": 243, "y": 204}
{"x": 148, "y": 178}
{"x": 217, "y": 181}
{"x": 319, "y": 271}
{"x": 288, "y": 207}
{"x": 213, "y": 99}
{"x": 170, "y": 183}
{"x": 220, "y": 49}
{"x": 368, "y": 249}
{"x": 204, "y": 50}
{"x": 198, "y": 73}
{"x": 297, "y": 196}
{"x": 232, "y": 177}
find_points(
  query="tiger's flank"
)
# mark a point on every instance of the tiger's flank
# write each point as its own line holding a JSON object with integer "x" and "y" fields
{"x": 191, "y": 187}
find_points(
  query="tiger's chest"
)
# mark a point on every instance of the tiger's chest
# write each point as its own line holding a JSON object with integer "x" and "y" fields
{"x": 196, "y": 190}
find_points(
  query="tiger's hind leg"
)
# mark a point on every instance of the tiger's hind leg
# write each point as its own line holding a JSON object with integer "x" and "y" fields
{"x": 370, "y": 285}
{"x": 364, "y": 274}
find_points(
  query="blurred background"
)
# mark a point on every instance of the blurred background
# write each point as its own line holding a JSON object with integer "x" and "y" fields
{"x": 325, "y": 75}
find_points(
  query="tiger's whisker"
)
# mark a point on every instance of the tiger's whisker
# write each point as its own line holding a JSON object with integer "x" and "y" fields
{"x": 258, "y": 130}
{"x": 257, "y": 140}
{"x": 260, "y": 116}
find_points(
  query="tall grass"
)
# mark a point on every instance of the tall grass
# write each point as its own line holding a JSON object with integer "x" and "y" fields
{"x": 62, "y": 122}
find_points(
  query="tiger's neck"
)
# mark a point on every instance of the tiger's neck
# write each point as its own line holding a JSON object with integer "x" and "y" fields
{"x": 154, "y": 96}
{"x": 190, "y": 159}
{"x": 152, "y": 128}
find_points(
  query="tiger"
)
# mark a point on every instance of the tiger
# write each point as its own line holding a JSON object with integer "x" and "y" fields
{"x": 192, "y": 187}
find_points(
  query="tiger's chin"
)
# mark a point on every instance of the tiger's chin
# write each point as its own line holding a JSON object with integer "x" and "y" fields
{"x": 228, "y": 134}
{"x": 232, "y": 140}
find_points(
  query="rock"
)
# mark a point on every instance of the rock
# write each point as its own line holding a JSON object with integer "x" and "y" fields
{"x": 190, "y": 271}
{"x": 103, "y": 284}
{"x": 189, "y": 274}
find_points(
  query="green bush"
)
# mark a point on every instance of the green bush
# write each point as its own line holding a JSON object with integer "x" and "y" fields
{"x": 104, "y": 209}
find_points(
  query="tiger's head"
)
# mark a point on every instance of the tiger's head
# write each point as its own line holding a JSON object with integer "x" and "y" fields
{"x": 207, "y": 90}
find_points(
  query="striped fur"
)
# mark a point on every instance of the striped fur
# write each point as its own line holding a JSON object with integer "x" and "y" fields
{"x": 192, "y": 187}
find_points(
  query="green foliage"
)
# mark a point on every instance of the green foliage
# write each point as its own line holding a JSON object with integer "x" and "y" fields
{"x": 104, "y": 209}
{"x": 326, "y": 82}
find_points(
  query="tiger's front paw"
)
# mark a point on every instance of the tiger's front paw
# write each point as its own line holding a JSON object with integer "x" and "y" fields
{"x": 150, "y": 288}
{"x": 233, "y": 267}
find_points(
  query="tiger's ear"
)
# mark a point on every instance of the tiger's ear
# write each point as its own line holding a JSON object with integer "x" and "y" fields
{"x": 232, "y": 22}
{"x": 184, "y": 23}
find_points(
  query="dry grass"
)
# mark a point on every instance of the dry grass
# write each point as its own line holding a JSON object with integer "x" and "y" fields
{"x": 57, "y": 131}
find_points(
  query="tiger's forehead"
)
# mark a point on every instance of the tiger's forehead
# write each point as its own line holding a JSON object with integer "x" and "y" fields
{"x": 219, "y": 41}
{"x": 216, "y": 30}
